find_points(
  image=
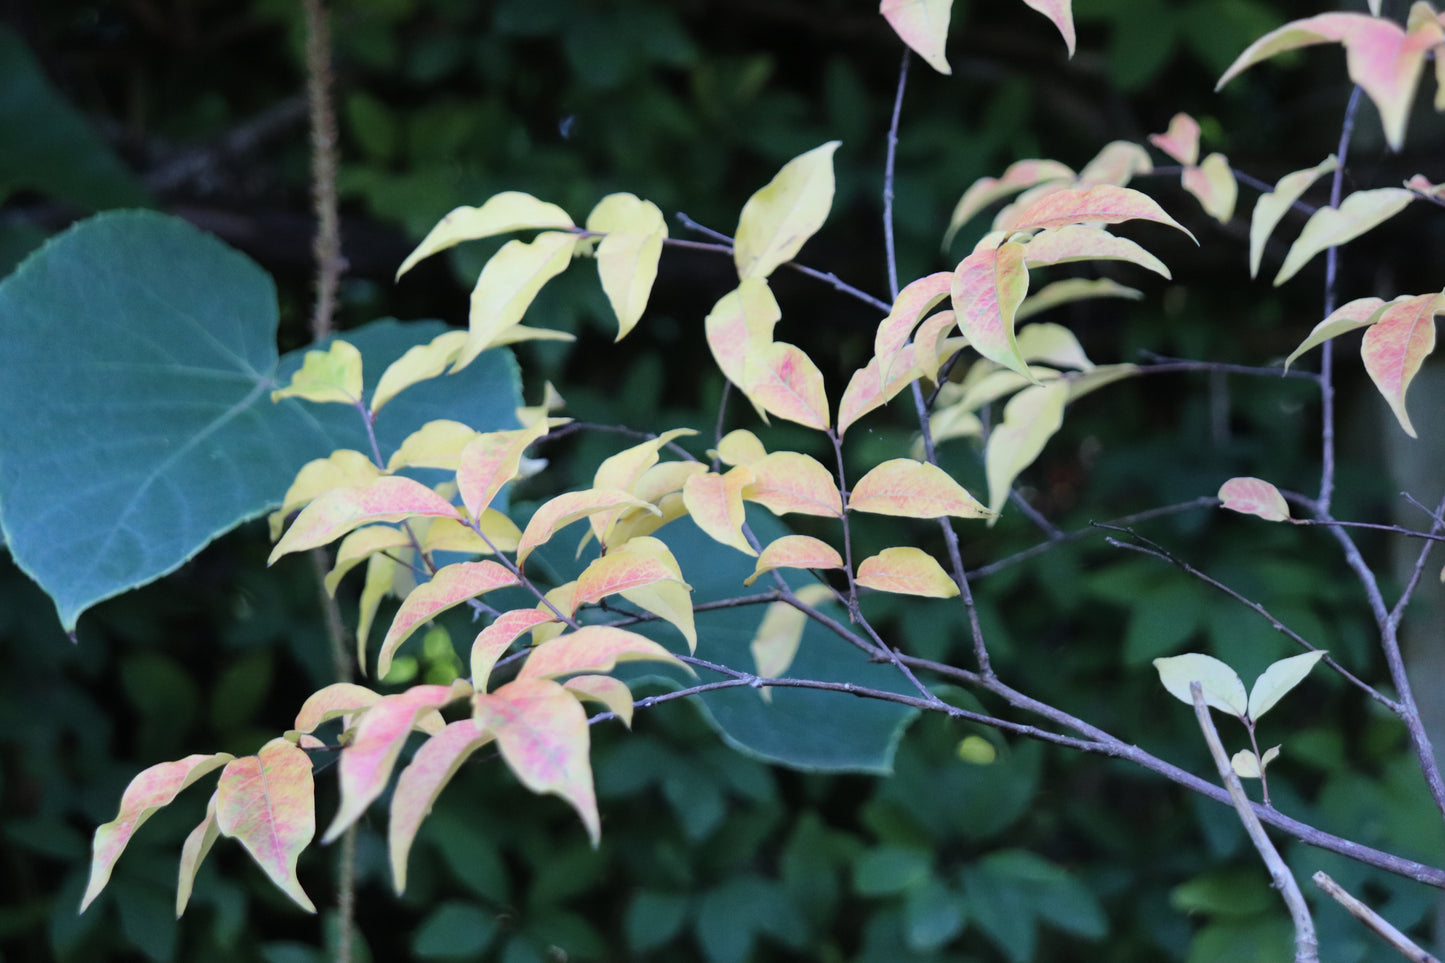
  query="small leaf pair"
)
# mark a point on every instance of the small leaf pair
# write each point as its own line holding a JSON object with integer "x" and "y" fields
{"x": 1222, "y": 687}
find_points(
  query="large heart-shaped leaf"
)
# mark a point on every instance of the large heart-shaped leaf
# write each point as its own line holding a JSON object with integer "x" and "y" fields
{"x": 136, "y": 423}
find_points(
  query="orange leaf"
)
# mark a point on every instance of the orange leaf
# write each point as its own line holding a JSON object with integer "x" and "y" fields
{"x": 783, "y": 381}
{"x": 336, "y": 512}
{"x": 1396, "y": 346}
{"x": 912, "y": 489}
{"x": 564, "y": 509}
{"x": 863, "y": 394}
{"x": 1102, "y": 204}
{"x": 795, "y": 551}
{"x": 715, "y": 503}
{"x": 788, "y": 481}
{"x": 450, "y": 586}
{"x": 612, "y": 693}
{"x": 906, "y": 571}
{"x": 491, "y": 461}
{"x": 1180, "y": 141}
{"x": 496, "y": 638}
{"x": 592, "y": 648}
{"x": 542, "y": 732}
{"x": 367, "y": 760}
{"x": 150, "y": 790}
{"x": 923, "y": 25}
{"x": 988, "y": 287}
{"x": 421, "y": 782}
{"x": 267, "y": 802}
{"x": 1254, "y": 496}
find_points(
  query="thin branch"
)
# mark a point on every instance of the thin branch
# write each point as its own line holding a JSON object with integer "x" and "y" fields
{"x": 1164, "y": 364}
{"x": 327, "y": 245}
{"x": 1306, "y": 945}
{"x": 1405, "y": 946}
{"x": 1398, "y": 611}
{"x": 890, "y": 250}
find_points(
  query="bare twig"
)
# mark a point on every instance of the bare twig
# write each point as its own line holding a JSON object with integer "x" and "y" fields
{"x": 890, "y": 250}
{"x": 1405, "y": 946}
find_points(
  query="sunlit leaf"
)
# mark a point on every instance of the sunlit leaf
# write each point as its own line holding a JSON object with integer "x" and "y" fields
{"x": 502, "y": 213}
{"x": 367, "y": 760}
{"x": 150, "y": 790}
{"x": 779, "y": 218}
{"x": 450, "y": 586}
{"x": 740, "y": 325}
{"x": 419, "y": 363}
{"x": 1081, "y": 242}
{"x": 194, "y": 851}
{"x": 436, "y": 444}
{"x": 1062, "y": 15}
{"x": 1331, "y": 227}
{"x": 610, "y": 692}
{"x": 912, "y": 489}
{"x": 1254, "y": 496}
{"x": 496, "y": 638}
{"x": 1020, "y": 175}
{"x": 1213, "y": 183}
{"x": 923, "y": 26}
{"x": 333, "y": 375}
{"x": 1347, "y": 317}
{"x": 1278, "y": 679}
{"x": 906, "y": 571}
{"x": 542, "y": 732}
{"x": 334, "y": 513}
{"x": 421, "y": 782}
{"x": 1272, "y": 206}
{"x": 1101, "y": 204}
{"x": 715, "y": 503}
{"x": 988, "y": 287}
{"x": 1222, "y": 688}
{"x": 1030, "y": 419}
{"x": 783, "y": 381}
{"x": 267, "y": 802}
{"x": 1181, "y": 140}
{"x": 507, "y": 286}
{"x": 627, "y": 257}
{"x": 788, "y": 481}
{"x": 490, "y": 461}
{"x": 559, "y": 512}
{"x": 1397, "y": 344}
{"x": 795, "y": 551}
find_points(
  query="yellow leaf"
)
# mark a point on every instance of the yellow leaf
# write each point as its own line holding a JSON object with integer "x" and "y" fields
{"x": 505, "y": 212}
{"x": 325, "y": 376}
{"x": 783, "y": 381}
{"x": 670, "y": 601}
{"x": 715, "y": 503}
{"x": 739, "y": 447}
{"x": 775, "y": 644}
{"x": 419, "y": 363}
{"x": 343, "y": 468}
{"x": 570, "y": 507}
{"x": 623, "y": 469}
{"x": 1081, "y": 242}
{"x": 1019, "y": 176}
{"x": 789, "y": 481}
{"x": 1272, "y": 206}
{"x": 1030, "y": 419}
{"x": 923, "y": 26}
{"x": 779, "y": 218}
{"x": 740, "y": 325}
{"x": 1181, "y": 140}
{"x": 361, "y": 545}
{"x": 906, "y": 571}
{"x": 1212, "y": 182}
{"x": 336, "y": 512}
{"x": 627, "y": 257}
{"x": 1347, "y": 317}
{"x": 912, "y": 489}
{"x": 436, "y": 444}
{"x": 612, "y": 693}
{"x": 1331, "y": 226}
{"x": 1053, "y": 344}
{"x": 633, "y": 522}
{"x": 509, "y": 282}
{"x": 795, "y": 551}
{"x": 1070, "y": 290}
{"x": 455, "y": 535}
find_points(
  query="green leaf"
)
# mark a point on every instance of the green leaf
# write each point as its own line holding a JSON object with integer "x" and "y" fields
{"x": 932, "y": 915}
{"x": 135, "y": 422}
{"x": 456, "y": 929}
{"x": 1278, "y": 679}
{"x": 653, "y": 919}
{"x": 890, "y": 869}
{"x": 1221, "y": 686}
{"x": 1160, "y": 620}
{"x": 732, "y": 916}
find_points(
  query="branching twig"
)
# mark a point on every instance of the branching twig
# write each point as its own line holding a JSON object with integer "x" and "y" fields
{"x": 1402, "y": 943}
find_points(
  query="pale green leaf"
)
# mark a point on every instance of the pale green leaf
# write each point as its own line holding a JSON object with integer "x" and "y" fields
{"x": 779, "y": 218}
{"x": 1222, "y": 688}
{"x": 1278, "y": 679}
{"x": 1331, "y": 227}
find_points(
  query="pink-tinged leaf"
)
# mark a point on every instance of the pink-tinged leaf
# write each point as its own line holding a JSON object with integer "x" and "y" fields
{"x": 542, "y": 732}
{"x": 333, "y": 375}
{"x": 361, "y": 545}
{"x": 556, "y": 600}
{"x": 740, "y": 325}
{"x": 382, "y": 573}
{"x": 1254, "y": 496}
{"x": 670, "y": 601}
{"x": 621, "y": 570}
{"x": 1062, "y": 15}
{"x": 1213, "y": 184}
{"x": 1079, "y": 242}
{"x": 420, "y": 363}
{"x": 623, "y": 470}
{"x": 497, "y": 638}
{"x": 267, "y": 802}
{"x": 923, "y": 26}
{"x": 437, "y": 444}
{"x": 1396, "y": 346}
{"x": 490, "y": 461}
{"x": 988, "y": 287}
{"x": 610, "y": 692}
{"x": 915, "y": 300}
{"x": 501, "y": 214}
{"x": 778, "y": 220}
{"x": 1347, "y": 317}
{"x": 863, "y": 394}
{"x": 1420, "y": 184}
{"x": 795, "y": 551}
{"x": 150, "y": 790}
{"x": 368, "y": 759}
{"x": 454, "y": 535}
{"x": 508, "y": 284}
{"x": 1181, "y": 140}
{"x": 1053, "y": 344}
{"x": 1272, "y": 206}
{"x": 788, "y": 481}
{"x": 561, "y": 511}
{"x": 1116, "y": 164}
{"x": 592, "y": 649}
{"x": 421, "y": 782}
{"x": 1331, "y": 227}
{"x": 912, "y": 489}
{"x": 343, "y": 468}
{"x": 1102, "y": 204}
{"x": 783, "y": 381}
{"x": 338, "y": 699}
{"x": 1019, "y": 176}
{"x": 634, "y": 523}
{"x": 450, "y": 586}
{"x": 1030, "y": 419}
{"x": 715, "y": 503}
{"x": 1069, "y": 290}
{"x": 906, "y": 571}
{"x": 627, "y": 257}
{"x": 739, "y": 447}
{"x": 334, "y": 513}
{"x": 194, "y": 851}
{"x": 1220, "y": 685}
{"x": 932, "y": 346}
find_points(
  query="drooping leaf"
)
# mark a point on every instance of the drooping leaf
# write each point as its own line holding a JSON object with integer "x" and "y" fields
{"x": 542, "y": 732}
{"x": 490, "y": 461}
{"x": 913, "y": 302}
{"x": 610, "y": 692}
{"x": 782, "y": 380}
{"x": 1347, "y": 317}
{"x": 1101, "y": 204}
{"x": 1330, "y": 227}
{"x": 1213, "y": 184}
{"x": 150, "y": 790}
{"x": 1181, "y": 140}
{"x": 1222, "y": 688}
{"x": 361, "y": 545}
{"x": 1254, "y": 496}
{"x": 740, "y": 325}
{"x": 906, "y": 571}
{"x": 1275, "y": 681}
{"x": 267, "y": 802}
{"x": 1053, "y": 344}
{"x": 450, "y": 586}
{"x": 343, "y": 468}
{"x": 561, "y": 511}
{"x": 788, "y": 481}
{"x": 795, "y": 551}
{"x": 420, "y": 363}
{"x": 1082, "y": 242}
{"x": 501, "y": 214}
{"x": 591, "y": 649}
{"x": 436, "y": 444}
{"x": 1020, "y": 175}
{"x": 1397, "y": 344}
{"x": 627, "y": 257}
{"x": 507, "y": 286}
{"x": 421, "y": 782}
{"x": 670, "y": 601}
{"x": 496, "y": 638}
{"x": 923, "y": 26}
{"x": 1062, "y": 15}
{"x": 778, "y": 220}
{"x": 912, "y": 489}
{"x": 988, "y": 287}
{"x": 333, "y": 375}
{"x": 1030, "y": 419}
{"x": 367, "y": 760}
{"x": 382, "y": 573}
{"x": 334, "y": 513}
{"x": 1070, "y": 290}
{"x": 337, "y": 699}
{"x": 715, "y": 503}
{"x": 1272, "y": 206}
{"x": 194, "y": 851}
